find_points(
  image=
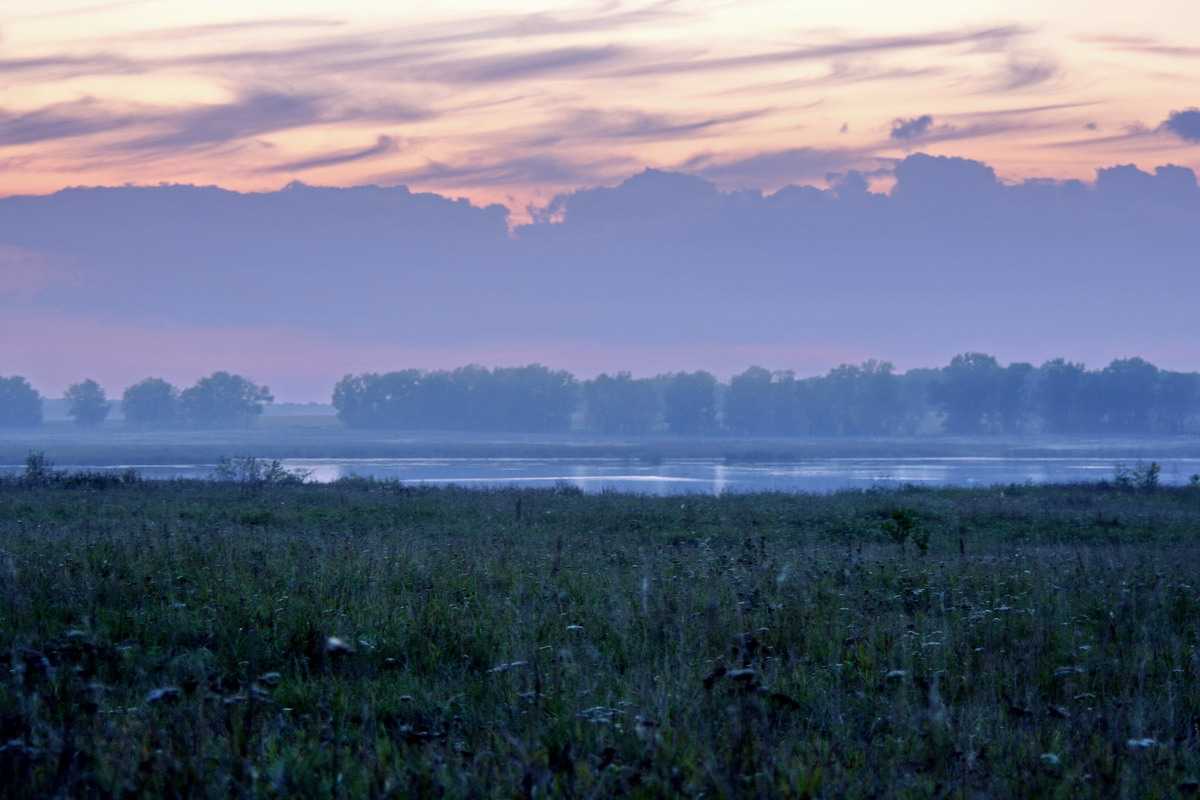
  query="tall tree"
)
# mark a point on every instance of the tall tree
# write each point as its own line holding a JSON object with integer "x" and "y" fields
{"x": 152, "y": 401}
{"x": 1177, "y": 400}
{"x": 968, "y": 392}
{"x": 223, "y": 401}
{"x": 20, "y": 403}
{"x": 1127, "y": 388}
{"x": 621, "y": 403}
{"x": 1058, "y": 395}
{"x": 763, "y": 403}
{"x": 87, "y": 403}
{"x": 691, "y": 403}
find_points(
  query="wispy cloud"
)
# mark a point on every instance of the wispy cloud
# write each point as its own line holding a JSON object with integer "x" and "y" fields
{"x": 632, "y": 124}
{"x": 772, "y": 169}
{"x": 1146, "y": 45}
{"x": 62, "y": 121}
{"x": 1024, "y": 72}
{"x": 62, "y": 67}
{"x": 845, "y": 47}
{"x": 495, "y": 169}
{"x": 223, "y": 29}
{"x": 254, "y": 114}
{"x": 383, "y": 145}
{"x": 528, "y": 65}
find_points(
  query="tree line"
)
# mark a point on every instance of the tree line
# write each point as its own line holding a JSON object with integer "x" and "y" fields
{"x": 220, "y": 400}
{"x": 973, "y": 394}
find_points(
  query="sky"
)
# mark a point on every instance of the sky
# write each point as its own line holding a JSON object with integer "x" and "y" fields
{"x": 553, "y": 110}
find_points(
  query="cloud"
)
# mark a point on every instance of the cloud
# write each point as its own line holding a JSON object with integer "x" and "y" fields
{"x": 1024, "y": 72}
{"x": 227, "y": 28}
{"x": 631, "y": 124}
{"x": 382, "y": 146}
{"x": 912, "y": 128}
{"x": 25, "y": 272}
{"x": 661, "y": 261}
{"x": 772, "y": 169}
{"x": 525, "y": 65}
{"x": 610, "y": 17}
{"x": 62, "y": 121}
{"x": 254, "y": 114}
{"x": 1142, "y": 44}
{"x": 62, "y": 67}
{"x": 845, "y": 47}
{"x": 1184, "y": 124}
{"x": 489, "y": 168}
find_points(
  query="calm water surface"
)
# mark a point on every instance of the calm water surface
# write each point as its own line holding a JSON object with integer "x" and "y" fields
{"x": 706, "y": 476}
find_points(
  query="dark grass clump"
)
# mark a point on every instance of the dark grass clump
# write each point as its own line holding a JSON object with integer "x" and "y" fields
{"x": 366, "y": 639}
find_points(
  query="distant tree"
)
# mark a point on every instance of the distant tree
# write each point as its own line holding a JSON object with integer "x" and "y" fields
{"x": 968, "y": 392}
{"x": 87, "y": 403}
{"x": 371, "y": 400}
{"x": 1127, "y": 389}
{"x": 223, "y": 401}
{"x": 1058, "y": 395}
{"x": 1177, "y": 400}
{"x": 1013, "y": 393}
{"x": 20, "y": 403}
{"x": 764, "y": 403}
{"x": 856, "y": 399}
{"x": 152, "y": 401}
{"x": 691, "y": 403}
{"x": 529, "y": 399}
{"x": 621, "y": 403}
{"x": 533, "y": 399}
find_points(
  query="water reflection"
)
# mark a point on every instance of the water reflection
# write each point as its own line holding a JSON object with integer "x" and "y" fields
{"x": 711, "y": 476}
{"x": 707, "y": 476}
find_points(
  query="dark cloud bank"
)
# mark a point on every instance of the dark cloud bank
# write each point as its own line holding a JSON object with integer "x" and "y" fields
{"x": 951, "y": 259}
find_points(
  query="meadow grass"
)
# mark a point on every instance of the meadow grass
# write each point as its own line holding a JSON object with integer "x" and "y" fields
{"x": 366, "y": 639}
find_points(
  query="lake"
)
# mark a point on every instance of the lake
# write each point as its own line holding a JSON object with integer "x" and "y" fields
{"x": 704, "y": 476}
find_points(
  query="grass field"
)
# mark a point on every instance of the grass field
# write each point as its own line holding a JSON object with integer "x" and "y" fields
{"x": 362, "y": 639}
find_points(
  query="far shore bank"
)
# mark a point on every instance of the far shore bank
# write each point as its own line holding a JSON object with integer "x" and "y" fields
{"x": 64, "y": 443}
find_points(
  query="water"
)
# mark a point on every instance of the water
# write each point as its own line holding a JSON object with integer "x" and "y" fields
{"x": 705, "y": 476}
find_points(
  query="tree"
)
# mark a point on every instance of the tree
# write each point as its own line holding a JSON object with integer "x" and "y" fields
{"x": 88, "y": 403}
{"x": 691, "y": 403}
{"x": 764, "y": 403}
{"x": 223, "y": 401}
{"x": 968, "y": 392}
{"x": 380, "y": 401}
{"x": 1127, "y": 388}
{"x": 621, "y": 404}
{"x": 20, "y": 403}
{"x": 532, "y": 398}
{"x": 152, "y": 401}
{"x": 1177, "y": 397}
{"x": 1058, "y": 395}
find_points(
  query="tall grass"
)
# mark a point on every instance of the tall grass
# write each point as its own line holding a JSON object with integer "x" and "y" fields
{"x": 364, "y": 639}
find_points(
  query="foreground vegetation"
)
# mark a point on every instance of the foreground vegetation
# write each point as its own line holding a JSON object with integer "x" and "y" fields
{"x": 266, "y": 638}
